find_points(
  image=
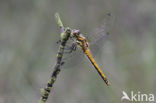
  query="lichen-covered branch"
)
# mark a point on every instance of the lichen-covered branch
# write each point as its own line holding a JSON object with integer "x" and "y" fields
{"x": 65, "y": 34}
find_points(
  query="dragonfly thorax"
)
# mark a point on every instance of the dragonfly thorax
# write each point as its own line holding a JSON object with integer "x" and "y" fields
{"x": 82, "y": 42}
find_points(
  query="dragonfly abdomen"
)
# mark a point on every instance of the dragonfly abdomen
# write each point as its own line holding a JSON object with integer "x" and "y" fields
{"x": 89, "y": 55}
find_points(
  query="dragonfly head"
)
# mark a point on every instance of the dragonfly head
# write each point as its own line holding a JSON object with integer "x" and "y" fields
{"x": 75, "y": 33}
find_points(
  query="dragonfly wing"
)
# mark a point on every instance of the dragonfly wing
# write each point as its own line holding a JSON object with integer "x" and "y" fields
{"x": 98, "y": 44}
{"x": 100, "y": 35}
{"x": 71, "y": 58}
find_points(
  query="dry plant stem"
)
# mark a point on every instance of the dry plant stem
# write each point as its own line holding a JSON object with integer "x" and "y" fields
{"x": 65, "y": 34}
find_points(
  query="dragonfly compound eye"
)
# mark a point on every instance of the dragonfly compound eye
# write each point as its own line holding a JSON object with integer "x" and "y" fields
{"x": 76, "y": 32}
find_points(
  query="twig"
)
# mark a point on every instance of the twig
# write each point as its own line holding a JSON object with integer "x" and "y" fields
{"x": 65, "y": 34}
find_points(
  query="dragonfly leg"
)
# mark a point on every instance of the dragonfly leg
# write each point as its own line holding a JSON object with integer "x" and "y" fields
{"x": 74, "y": 47}
{"x": 71, "y": 48}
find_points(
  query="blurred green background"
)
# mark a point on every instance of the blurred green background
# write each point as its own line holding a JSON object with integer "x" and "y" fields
{"x": 28, "y": 36}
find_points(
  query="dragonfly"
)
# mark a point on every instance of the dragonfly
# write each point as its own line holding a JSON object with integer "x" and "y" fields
{"x": 79, "y": 40}
{"x": 83, "y": 43}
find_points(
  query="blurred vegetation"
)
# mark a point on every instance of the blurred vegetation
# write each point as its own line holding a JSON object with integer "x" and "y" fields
{"x": 28, "y": 36}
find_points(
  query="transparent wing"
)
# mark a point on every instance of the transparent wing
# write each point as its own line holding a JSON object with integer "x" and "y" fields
{"x": 96, "y": 39}
{"x": 100, "y": 35}
{"x": 74, "y": 58}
